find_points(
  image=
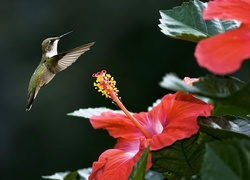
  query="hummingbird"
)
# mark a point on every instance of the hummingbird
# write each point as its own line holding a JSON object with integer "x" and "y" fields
{"x": 51, "y": 64}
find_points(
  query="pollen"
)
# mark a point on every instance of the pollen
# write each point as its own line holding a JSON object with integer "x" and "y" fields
{"x": 105, "y": 84}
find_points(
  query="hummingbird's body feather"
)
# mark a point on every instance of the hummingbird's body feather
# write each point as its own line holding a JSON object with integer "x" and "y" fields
{"x": 52, "y": 63}
{"x": 40, "y": 78}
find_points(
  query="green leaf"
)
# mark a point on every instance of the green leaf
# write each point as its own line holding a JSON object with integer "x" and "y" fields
{"x": 57, "y": 176}
{"x": 183, "y": 159}
{"x": 139, "y": 168}
{"x": 225, "y": 127}
{"x": 228, "y": 159}
{"x": 209, "y": 86}
{"x": 81, "y": 174}
{"x": 153, "y": 175}
{"x": 88, "y": 112}
{"x": 84, "y": 173}
{"x": 228, "y": 94}
{"x": 185, "y": 22}
{"x": 72, "y": 176}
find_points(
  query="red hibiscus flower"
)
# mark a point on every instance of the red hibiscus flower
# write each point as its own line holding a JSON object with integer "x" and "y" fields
{"x": 174, "y": 118}
{"x": 224, "y": 53}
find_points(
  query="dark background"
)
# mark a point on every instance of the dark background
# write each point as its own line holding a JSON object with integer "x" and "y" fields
{"x": 129, "y": 45}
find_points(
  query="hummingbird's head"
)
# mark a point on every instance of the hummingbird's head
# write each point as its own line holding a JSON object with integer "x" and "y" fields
{"x": 49, "y": 45}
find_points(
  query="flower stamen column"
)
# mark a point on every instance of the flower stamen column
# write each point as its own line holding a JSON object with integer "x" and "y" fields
{"x": 106, "y": 84}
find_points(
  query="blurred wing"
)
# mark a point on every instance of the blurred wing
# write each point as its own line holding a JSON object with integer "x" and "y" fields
{"x": 63, "y": 60}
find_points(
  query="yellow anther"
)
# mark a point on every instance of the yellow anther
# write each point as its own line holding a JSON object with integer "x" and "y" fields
{"x": 105, "y": 84}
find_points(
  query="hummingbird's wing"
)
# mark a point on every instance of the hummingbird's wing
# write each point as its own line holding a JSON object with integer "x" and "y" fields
{"x": 61, "y": 61}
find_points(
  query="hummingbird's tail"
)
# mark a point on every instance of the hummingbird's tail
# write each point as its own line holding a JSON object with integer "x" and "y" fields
{"x": 30, "y": 101}
{"x": 28, "y": 107}
{"x": 31, "y": 97}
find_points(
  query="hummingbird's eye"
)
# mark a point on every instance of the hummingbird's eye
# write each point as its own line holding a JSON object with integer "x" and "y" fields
{"x": 51, "y": 41}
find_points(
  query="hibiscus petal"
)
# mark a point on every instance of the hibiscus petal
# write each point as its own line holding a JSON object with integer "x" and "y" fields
{"x": 117, "y": 163}
{"x": 224, "y": 53}
{"x": 178, "y": 115}
{"x": 228, "y": 9}
{"x": 118, "y": 125}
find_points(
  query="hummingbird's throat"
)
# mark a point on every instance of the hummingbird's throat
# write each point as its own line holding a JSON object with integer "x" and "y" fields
{"x": 52, "y": 49}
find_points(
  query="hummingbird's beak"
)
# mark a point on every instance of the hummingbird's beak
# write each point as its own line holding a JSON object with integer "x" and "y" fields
{"x": 65, "y": 34}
